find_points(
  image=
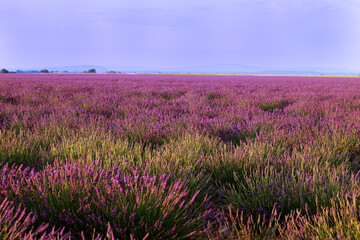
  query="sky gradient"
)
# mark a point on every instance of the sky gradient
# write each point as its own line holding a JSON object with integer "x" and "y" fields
{"x": 271, "y": 34}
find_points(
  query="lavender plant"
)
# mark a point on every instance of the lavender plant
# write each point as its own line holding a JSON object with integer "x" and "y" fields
{"x": 17, "y": 223}
{"x": 83, "y": 197}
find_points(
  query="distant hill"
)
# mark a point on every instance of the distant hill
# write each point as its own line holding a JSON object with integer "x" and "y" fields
{"x": 77, "y": 69}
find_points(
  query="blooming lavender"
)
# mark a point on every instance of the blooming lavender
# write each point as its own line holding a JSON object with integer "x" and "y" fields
{"x": 17, "y": 223}
{"x": 151, "y": 156}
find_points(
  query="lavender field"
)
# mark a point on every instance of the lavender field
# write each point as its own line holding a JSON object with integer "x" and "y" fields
{"x": 121, "y": 156}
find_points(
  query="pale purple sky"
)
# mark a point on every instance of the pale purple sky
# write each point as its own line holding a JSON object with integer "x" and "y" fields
{"x": 176, "y": 33}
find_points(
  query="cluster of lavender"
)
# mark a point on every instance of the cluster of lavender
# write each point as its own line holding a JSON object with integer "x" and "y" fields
{"x": 118, "y": 156}
{"x": 83, "y": 196}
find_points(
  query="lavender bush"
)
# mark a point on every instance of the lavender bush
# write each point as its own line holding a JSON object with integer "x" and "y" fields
{"x": 16, "y": 223}
{"x": 83, "y": 197}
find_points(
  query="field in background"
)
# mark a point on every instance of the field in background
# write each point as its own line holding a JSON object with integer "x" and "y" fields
{"x": 120, "y": 156}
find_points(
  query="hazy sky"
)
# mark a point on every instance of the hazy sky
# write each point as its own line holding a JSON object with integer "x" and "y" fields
{"x": 176, "y": 33}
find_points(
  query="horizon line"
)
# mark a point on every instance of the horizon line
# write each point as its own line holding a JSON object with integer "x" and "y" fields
{"x": 198, "y": 74}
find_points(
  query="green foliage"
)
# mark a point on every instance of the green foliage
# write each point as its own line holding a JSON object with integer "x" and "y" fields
{"x": 168, "y": 95}
{"x": 213, "y": 96}
{"x": 11, "y": 100}
{"x": 271, "y": 106}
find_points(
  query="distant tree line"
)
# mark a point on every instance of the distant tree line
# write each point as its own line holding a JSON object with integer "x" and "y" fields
{"x": 18, "y": 71}
{"x": 5, "y": 71}
{"x": 28, "y": 71}
{"x": 90, "y": 71}
{"x": 47, "y": 71}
